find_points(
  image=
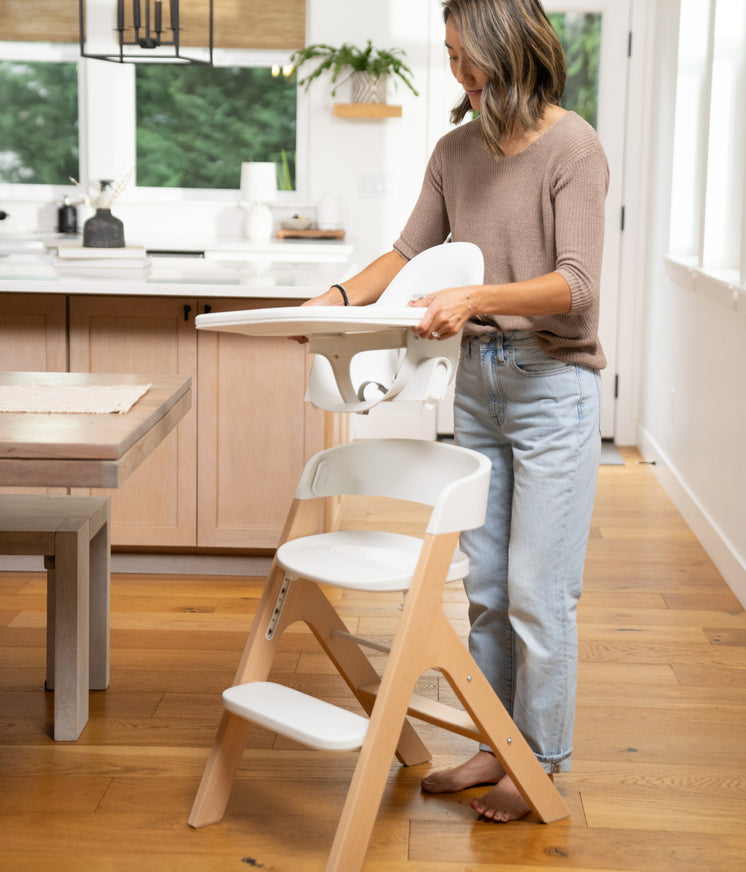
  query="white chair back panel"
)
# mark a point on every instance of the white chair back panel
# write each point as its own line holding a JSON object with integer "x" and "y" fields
{"x": 451, "y": 265}
{"x": 453, "y": 480}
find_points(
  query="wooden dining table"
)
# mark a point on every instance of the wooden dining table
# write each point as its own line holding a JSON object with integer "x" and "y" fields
{"x": 87, "y": 450}
{"x": 66, "y": 450}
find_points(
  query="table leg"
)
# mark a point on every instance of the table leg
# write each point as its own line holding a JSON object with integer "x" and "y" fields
{"x": 71, "y": 630}
{"x": 100, "y": 559}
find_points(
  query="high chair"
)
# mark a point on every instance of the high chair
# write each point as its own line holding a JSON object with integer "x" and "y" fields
{"x": 454, "y": 482}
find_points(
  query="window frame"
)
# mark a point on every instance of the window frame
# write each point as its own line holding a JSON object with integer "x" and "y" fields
{"x": 102, "y": 84}
{"x": 712, "y": 203}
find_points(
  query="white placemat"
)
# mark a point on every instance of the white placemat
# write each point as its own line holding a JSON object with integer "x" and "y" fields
{"x": 70, "y": 399}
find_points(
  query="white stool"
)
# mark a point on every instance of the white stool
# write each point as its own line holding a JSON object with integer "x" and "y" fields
{"x": 72, "y": 533}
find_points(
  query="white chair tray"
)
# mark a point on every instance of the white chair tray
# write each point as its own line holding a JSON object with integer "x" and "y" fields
{"x": 311, "y": 320}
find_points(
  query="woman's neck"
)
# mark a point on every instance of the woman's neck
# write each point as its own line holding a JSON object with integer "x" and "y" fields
{"x": 522, "y": 137}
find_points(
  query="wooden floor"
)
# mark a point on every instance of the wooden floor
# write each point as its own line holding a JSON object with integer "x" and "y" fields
{"x": 659, "y": 775}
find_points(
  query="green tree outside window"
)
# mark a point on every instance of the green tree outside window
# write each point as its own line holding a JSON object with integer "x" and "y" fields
{"x": 38, "y": 122}
{"x": 196, "y": 125}
{"x": 580, "y": 35}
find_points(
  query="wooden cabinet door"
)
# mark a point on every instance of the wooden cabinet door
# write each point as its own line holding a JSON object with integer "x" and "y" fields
{"x": 156, "y": 505}
{"x": 33, "y": 338}
{"x": 33, "y": 333}
{"x": 255, "y": 432}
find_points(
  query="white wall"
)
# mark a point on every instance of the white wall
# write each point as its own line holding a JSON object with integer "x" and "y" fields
{"x": 344, "y": 152}
{"x": 693, "y": 351}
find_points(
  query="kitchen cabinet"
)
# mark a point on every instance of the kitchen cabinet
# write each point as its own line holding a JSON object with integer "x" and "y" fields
{"x": 33, "y": 332}
{"x": 33, "y": 338}
{"x": 157, "y": 504}
{"x": 225, "y": 477}
{"x": 255, "y": 432}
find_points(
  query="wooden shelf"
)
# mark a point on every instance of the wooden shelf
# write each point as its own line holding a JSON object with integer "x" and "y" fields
{"x": 283, "y": 233}
{"x": 366, "y": 110}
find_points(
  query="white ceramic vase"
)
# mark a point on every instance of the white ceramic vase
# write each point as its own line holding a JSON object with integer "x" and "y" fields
{"x": 367, "y": 88}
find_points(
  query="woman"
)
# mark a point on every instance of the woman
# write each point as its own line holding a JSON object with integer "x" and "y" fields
{"x": 526, "y": 182}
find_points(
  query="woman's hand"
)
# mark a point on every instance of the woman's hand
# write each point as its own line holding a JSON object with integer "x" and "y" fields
{"x": 328, "y": 298}
{"x": 447, "y": 312}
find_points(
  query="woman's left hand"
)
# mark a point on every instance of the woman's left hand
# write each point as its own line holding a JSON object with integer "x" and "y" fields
{"x": 447, "y": 312}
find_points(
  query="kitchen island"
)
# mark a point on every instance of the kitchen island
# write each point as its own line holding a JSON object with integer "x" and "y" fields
{"x": 223, "y": 479}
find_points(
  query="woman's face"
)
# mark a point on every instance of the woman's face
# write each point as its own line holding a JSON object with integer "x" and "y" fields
{"x": 463, "y": 68}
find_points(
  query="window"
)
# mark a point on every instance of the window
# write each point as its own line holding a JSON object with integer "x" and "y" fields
{"x": 708, "y": 227}
{"x": 181, "y": 126}
{"x": 195, "y": 125}
{"x": 39, "y": 122}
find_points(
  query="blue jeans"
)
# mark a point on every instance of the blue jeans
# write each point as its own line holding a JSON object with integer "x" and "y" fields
{"x": 538, "y": 421}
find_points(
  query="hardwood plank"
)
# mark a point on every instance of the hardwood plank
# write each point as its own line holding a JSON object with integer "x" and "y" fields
{"x": 726, "y": 636}
{"x": 608, "y": 849}
{"x": 74, "y": 794}
{"x": 645, "y": 811}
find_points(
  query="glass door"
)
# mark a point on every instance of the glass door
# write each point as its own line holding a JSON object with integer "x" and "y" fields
{"x": 595, "y": 37}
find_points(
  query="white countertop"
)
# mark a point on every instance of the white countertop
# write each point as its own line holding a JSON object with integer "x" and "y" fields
{"x": 280, "y": 269}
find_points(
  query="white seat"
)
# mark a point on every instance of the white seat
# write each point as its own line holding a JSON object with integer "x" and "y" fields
{"x": 450, "y": 479}
{"x": 454, "y": 482}
{"x": 382, "y": 561}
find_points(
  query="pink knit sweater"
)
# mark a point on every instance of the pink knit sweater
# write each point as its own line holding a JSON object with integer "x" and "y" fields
{"x": 536, "y": 212}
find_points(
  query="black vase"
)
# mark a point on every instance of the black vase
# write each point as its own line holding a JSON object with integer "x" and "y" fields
{"x": 103, "y": 230}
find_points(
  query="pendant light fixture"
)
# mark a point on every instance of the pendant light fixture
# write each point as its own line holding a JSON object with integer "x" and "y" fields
{"x": 146, "y": 31}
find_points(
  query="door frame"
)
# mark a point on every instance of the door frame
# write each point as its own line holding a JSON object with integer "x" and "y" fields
{"x": 612, "y": 130}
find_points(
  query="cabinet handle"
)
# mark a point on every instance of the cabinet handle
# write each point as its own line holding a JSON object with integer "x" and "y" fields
{"x": 208, "y": 309}
{"x": 187, "y": 310}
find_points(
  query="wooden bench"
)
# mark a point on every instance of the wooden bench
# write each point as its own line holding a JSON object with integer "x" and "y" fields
{"x": 72, "y": 533}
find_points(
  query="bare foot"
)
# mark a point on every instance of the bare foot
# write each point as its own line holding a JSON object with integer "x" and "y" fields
{"x": 482, "y": 768}
{"x": 502, "y": 803}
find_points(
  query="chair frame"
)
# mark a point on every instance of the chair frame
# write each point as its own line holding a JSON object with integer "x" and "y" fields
{"x": 425, "y": 639}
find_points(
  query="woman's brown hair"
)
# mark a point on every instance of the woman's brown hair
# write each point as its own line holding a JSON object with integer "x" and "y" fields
{"x": 513, "y": 42}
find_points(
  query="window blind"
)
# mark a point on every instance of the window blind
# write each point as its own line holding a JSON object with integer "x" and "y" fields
{"x": 246, "y": 24}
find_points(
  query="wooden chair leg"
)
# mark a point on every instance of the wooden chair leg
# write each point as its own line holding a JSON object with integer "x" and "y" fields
{"x": 369, "y": 779}
{"x": 426, "y": 639}
{"x": 311, "y": 606}
{"x": 411, "y": 655}
{"x": 255, "y": 664}
{"x": 497, "y": 727}
{"x": 233, "y": 732}
{"x": 220, "y": 771}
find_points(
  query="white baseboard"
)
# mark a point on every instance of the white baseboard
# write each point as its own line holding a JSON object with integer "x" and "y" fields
{"x": 716, "y": 544}
{"x": 162, "y": 564}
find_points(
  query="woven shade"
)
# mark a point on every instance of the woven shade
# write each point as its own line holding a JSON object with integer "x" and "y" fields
{"x": 238, "y": 23}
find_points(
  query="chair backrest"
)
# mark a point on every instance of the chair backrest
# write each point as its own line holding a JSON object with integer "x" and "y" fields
{"x": 355, "y": 372}
{"x": 451, "y": 479}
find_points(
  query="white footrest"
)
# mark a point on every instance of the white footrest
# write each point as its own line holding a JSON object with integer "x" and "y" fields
{"x": 301, "y": 717}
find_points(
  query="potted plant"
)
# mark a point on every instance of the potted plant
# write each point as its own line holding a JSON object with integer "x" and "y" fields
{"x": 368, "y": 67}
